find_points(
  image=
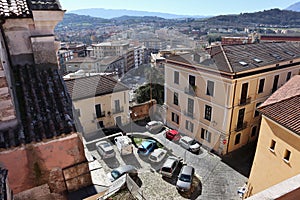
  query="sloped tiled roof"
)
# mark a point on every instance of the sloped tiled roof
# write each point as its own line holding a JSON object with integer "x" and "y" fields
{"x": 284, "y": 105}
{"x": 23, "y": 8}
{"x": 239, "y": 58}
{"x": 92, "y": 86}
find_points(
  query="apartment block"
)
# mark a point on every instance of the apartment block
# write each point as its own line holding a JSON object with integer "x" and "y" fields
{"x": 115, "y": 48}
{"x": 99, "y": 102}
{"x": 277, "y": 155}
{"x": 213, "y": 98}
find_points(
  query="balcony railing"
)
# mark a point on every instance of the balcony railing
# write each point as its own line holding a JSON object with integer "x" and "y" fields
{"x": 241, "y": 126}
{"x": 245, "y": 101}
{"x": 189, "y": 114}
{"x": 118, "y": 110}
{"x": 190, "y": 90}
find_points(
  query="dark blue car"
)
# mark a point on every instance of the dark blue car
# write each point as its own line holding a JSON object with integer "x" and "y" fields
{"x": 147, "y": 147}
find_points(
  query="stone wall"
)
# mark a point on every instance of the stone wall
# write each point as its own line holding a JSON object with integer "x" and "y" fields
{"x": 143, "y": 110}
{"x": 42, "y": 163}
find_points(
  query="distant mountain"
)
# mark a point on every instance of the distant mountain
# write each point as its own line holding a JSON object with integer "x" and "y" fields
{"x": 266, "y": 17}
{"x": 294, "y": 7}
{"x": 114, "y": 13}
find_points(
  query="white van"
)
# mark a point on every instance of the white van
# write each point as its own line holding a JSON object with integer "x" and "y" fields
{"x": 124, "y": 145}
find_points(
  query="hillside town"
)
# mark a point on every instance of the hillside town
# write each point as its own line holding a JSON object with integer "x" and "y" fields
{"x": 147, "y": 107}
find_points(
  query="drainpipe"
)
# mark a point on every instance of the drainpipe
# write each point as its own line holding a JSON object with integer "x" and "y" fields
{"x": 232, "y": 107}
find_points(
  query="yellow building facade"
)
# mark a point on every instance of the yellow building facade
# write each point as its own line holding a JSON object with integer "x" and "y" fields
{"x": 214, "y": 99}
{"x": 278, "y": 150}
{"x": 99, "y": 102}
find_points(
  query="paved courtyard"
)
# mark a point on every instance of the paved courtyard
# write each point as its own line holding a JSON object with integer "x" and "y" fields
{"x": 214, "y": 179}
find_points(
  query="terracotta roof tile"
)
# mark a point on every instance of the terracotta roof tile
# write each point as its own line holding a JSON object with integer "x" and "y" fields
{"x": 283, "y": 106}
{"x": 93, "y": 86}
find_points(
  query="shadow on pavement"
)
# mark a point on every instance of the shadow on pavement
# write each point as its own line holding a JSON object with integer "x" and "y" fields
{"x": 131, "y": 160}
{"x": 112, "y": 163}
{"x": 241, "y": 160}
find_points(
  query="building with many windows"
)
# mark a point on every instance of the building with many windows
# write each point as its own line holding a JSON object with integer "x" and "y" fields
{"x": 99, "y": 101}
{"x": 116, "y": 48}
{"x": 213, "y": 98}
{"x": 277, "y": 155}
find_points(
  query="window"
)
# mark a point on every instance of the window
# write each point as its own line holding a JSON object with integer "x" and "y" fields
{"x": 190, "y": 107}
{"x": 288, "y": 76}
{"x": 254, "y": 130}
{"x": 275, "y": 83}
{"x": 98, "y": 111}
{"x": 117, "y": 105}
{"x": 287, "y": 155}
{"x": 100, "y": 124}
{"x": 176, "y": 77}
{"x": 205, "y": 135}
{"x": 175, "y": 118}
{"x": 208, "y": 112}
{"x": 256, "y": 113}
{"x": 261, "y": 85}
{"x": 210, "y": 88}
{"x": 189, "y": 126}
{"x": 237, "y": 139}
{"x": 175, "y": 101}
{"x": 273, "y": 144}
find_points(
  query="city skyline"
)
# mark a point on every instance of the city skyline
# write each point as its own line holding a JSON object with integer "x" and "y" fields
{"x": 191, "y": 7}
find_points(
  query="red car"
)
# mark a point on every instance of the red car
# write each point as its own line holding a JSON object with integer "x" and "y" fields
{"x": 173, "y": 135}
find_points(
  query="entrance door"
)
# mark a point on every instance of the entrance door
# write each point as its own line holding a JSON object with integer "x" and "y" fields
{"x": 119, "y": 121}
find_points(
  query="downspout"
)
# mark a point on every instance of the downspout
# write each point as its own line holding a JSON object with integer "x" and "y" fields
{"x": 232, "y": 111}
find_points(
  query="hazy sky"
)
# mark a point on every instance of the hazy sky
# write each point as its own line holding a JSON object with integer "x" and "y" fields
{"x": 188, "y": 7}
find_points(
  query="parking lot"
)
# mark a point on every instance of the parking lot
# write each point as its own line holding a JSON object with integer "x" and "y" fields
{"x": 213, "y": 179}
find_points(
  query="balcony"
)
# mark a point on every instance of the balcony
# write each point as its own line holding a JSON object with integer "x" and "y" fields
{"x": 244, "y": 102}
{"x": 189, "y": 114}
{"x": 190, "y": 90}
{"x": 241, "y": 126}
{"x": 117, "y": 110}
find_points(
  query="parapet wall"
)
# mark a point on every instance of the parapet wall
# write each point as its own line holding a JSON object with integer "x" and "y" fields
{"x": 43, "y": 163}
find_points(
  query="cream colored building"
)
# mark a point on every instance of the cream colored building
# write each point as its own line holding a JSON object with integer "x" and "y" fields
{"x": 115, "y": 48}
{"x": 99, "y": 101}
{"x": 213, "y": 97}
{"x": 277, "y": 155}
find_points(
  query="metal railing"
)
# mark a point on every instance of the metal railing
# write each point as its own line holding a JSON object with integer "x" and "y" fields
{"x": 190, "y": 90}
{"x": 189, "y": 114}
{"x": 245, "y": 101}
{"x": 118, "y": 110}
{"x": 241, "y": 126}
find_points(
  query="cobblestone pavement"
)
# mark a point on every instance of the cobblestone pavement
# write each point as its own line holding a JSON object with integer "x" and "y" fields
{"x": 216, "y": 180}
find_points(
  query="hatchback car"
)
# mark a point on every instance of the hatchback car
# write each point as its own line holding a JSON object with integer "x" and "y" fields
{"x": 154, "y": 126}
{"x": 147, "y": 147}
{"x": 173, "y": 135}
{"x": 124, "y": 169}
{"x": 169, "y": 166}
{"x": 157, "y": 155}
{"x": 189, "y": 144}
{"x": 105, "y": 149}
{"x": 185, "y": 178}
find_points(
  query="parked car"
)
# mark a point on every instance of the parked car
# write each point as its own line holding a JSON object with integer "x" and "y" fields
{"x": 147, "y": 147}
{"x": 154, "y": 126}
{"x": 189, "y": 144}
{"x": 105, "y": 149}
{"x": 157, "y": 155}
{"x": 124, "y": 145}
{"x": 173, "y": 135}
{"x": 124, "y": 169}
{"x": 169, "y": 166}
{"x": 185, "y": 178}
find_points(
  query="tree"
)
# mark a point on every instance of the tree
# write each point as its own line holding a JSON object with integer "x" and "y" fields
{"x": 143, "y": 93}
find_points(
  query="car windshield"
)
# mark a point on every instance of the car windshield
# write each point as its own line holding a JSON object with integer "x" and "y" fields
{"x": 115, "y": 174}
{"x": 105, "y": 145}
{"x": 185, "y": 178}
{"x": 110, "y": 151}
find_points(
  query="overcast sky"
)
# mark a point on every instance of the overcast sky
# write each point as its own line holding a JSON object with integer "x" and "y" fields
{"x": 182, "y": 7}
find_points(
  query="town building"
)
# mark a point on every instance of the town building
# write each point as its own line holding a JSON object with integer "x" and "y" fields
{"x": 277, "y": 156}
{"x": 38, "y": 137}
{"x": 100, "y": 102}
{"x": 213, "y": 97}
{"x": 115, "y": 48}
{"x": 63, "y": 57}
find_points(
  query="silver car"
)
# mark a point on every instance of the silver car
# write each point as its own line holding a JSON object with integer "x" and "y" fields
{"x": 169, "y": 166}
{"x": 189, "y": 144}
{"x": 105, "y": 149}
{"x": 185, "y": 178}
{"x": 154, "y": 125}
